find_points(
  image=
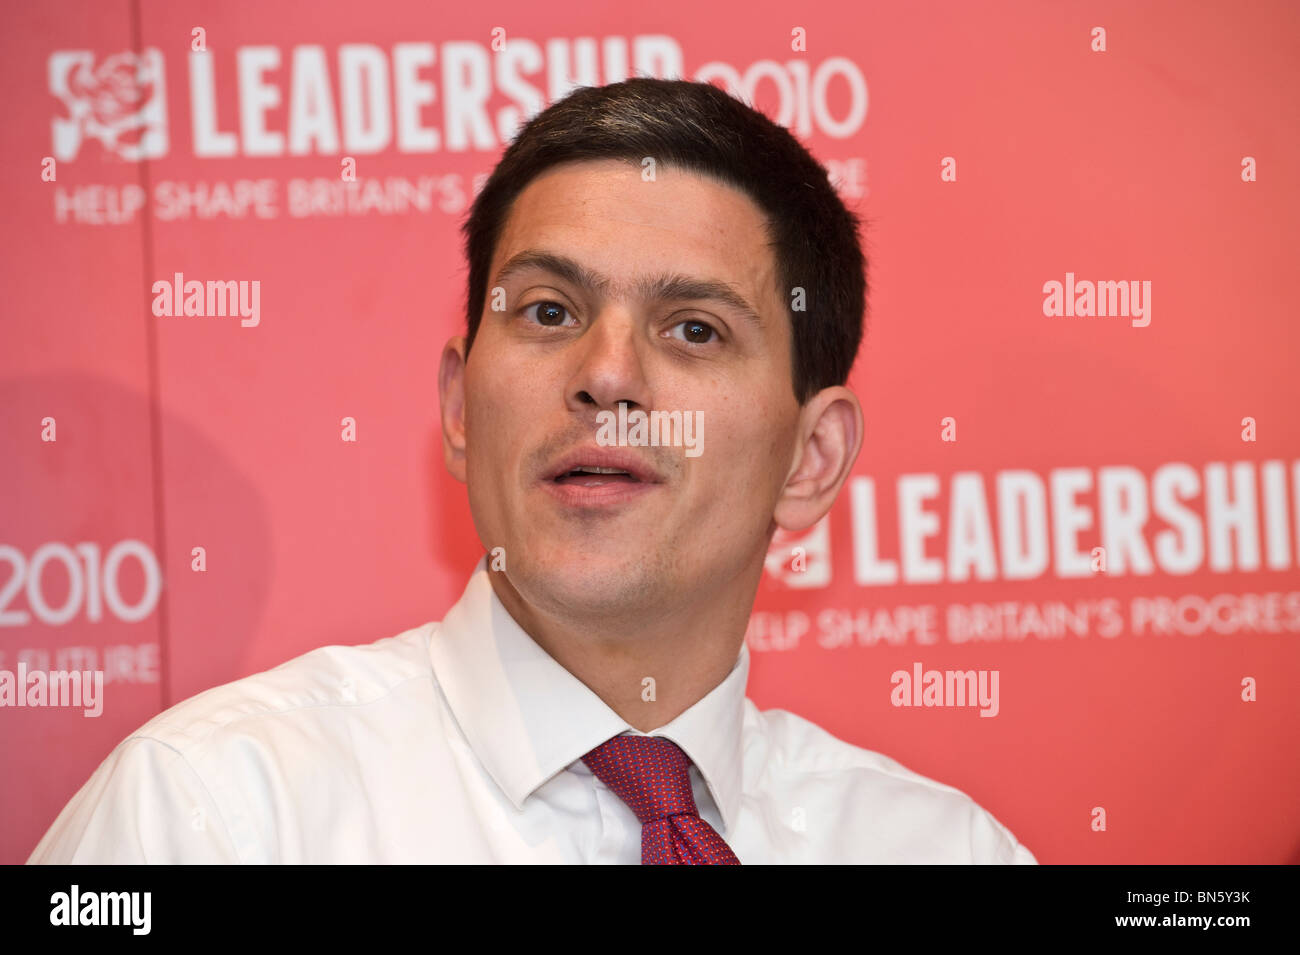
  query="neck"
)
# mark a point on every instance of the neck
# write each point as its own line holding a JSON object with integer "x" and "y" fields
{"x": 648, "y": 670}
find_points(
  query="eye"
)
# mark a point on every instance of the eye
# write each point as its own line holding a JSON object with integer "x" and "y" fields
{"x": 548, "y": 314}
{"x": 695, "y": 332}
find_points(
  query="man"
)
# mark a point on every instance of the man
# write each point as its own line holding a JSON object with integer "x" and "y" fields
{"x": 649, "y": 249}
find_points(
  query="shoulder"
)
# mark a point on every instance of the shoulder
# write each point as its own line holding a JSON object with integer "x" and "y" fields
{"x": 895, "y": 814}
{"x": 228, "y": 775}
{"x": 315, "y": 686}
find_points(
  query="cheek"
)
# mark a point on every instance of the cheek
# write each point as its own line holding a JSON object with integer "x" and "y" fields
{"x": 501, "y": 422}
{"x": 731, "y": 458}
{"x": 485, "y": 421}
{"x": 487, "y": 393}
{"x": 750, "y": 455}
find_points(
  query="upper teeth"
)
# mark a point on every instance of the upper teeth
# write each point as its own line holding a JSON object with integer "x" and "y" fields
{"x": 600, "y": 470}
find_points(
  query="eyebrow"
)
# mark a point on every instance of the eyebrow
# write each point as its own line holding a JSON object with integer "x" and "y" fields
{"x": 663, "y": 287}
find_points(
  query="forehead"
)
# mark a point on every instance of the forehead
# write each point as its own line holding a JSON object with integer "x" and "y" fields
{"x": 603, "y": 214}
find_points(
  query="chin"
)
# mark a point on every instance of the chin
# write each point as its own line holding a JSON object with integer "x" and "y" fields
{"x": 584, "y": 581}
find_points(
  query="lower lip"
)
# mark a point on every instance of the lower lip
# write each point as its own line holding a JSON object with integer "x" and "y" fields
{"x": 604, "y": 495}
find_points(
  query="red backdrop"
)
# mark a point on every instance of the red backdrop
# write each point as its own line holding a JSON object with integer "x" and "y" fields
{"x": 991, "y": 151}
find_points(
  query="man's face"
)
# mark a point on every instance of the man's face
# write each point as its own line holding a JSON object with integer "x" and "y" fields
{"x": 560, "y": 351}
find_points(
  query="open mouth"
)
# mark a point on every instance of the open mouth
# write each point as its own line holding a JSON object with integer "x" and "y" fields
{"x": 584, "y": 476}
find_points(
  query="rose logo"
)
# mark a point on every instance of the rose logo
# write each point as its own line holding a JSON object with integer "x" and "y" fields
{"x": 800, "y": 560}
{"x": 121, "y": 103}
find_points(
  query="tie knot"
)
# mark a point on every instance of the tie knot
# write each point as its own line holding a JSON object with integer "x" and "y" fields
{"x": 649, "y": 773}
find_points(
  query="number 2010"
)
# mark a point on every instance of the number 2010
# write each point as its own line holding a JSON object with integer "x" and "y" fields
{"x": 90, "y": 583}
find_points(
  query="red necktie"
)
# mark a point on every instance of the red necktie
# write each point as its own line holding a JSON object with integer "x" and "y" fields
{"x": 652, "y": 775}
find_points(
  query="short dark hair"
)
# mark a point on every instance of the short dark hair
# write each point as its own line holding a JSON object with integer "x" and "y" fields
{"x": 703, "y": 129}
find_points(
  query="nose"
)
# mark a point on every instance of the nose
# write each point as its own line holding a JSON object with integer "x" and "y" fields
{"x": 610, "y": 364}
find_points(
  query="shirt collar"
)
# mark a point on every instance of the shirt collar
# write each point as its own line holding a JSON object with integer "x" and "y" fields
{"x": 527, "y": 718}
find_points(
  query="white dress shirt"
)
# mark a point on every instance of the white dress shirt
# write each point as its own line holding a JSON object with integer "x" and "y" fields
{"x": 461, "y": 741}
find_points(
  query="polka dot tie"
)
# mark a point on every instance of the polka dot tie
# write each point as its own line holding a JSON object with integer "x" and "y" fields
{"x": 652, "y": 775}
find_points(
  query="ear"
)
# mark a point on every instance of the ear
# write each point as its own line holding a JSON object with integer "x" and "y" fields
{"x": 451, "y": 395}
{"x": 830, "y": 437}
